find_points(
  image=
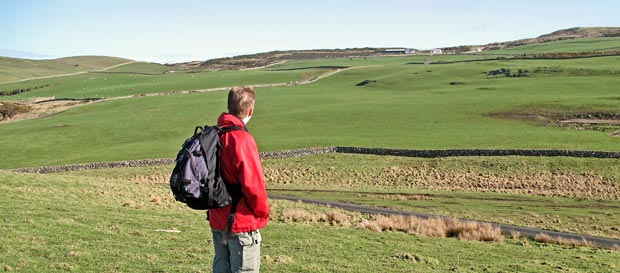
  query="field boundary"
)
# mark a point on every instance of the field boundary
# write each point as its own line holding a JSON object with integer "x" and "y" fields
{"x": 283, "y": 154}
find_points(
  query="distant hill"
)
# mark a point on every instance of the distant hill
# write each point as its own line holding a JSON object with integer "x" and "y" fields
{"x": 14, "y": 69}
{"x": 273, "y": 57}
{"x": 565, "y": 34}
{"x": 267, "y": 58}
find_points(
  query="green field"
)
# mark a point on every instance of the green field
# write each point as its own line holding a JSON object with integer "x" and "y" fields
{"x": 107, "y": 220}
{"x": 112, "y": 221}
{"x": 106, "y": 85}
{"x": 20, "y": 69}
{"x": 441, "y": 106}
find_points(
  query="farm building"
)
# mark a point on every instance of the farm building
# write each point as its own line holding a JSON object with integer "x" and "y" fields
{"x": 437, "y": 51}
{"x": 399, "y": 51}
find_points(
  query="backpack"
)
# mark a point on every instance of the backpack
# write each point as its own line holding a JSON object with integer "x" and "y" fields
{"x": 196, "y": 179}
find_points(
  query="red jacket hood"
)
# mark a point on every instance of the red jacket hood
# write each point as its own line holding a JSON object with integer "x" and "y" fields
{"x": 226, "y": 120}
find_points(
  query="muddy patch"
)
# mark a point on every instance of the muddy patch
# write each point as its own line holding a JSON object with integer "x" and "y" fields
{"x": 43, "y": 107}
{"x": 365, "y": 82}
{"x": 605, "y": 121}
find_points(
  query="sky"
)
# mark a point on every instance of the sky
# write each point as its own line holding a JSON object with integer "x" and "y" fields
{"x": 196, "y": 30}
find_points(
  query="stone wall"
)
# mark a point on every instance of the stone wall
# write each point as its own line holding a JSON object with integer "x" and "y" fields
{"x": 334, "y": 149}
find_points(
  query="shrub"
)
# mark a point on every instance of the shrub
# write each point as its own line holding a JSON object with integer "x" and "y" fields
{"x": 9, "y": 109}
{"x": 21, "y": 90}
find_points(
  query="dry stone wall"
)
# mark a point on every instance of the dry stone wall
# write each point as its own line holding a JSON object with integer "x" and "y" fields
{"x": 336, "y": 149}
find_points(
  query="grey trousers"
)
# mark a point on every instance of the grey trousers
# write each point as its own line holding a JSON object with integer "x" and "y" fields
{"x": 241, "y": 254}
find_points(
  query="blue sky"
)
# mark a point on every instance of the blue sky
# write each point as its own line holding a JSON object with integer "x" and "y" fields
{"x": 183, "y": 30}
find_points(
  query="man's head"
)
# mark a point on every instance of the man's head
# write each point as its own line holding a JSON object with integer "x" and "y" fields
{"x": 241, "y": 101}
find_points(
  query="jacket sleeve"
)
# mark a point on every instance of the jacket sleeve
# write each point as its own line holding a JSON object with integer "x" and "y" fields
{"x": 250, "y": 174}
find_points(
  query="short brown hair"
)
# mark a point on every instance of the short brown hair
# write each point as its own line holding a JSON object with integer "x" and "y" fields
{"x": 240, "y": 100}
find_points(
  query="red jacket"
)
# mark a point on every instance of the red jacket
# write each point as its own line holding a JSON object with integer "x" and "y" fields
{"x": 240, "y": 163}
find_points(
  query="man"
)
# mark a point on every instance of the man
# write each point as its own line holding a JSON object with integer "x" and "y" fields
{"x": 241, "y": 166}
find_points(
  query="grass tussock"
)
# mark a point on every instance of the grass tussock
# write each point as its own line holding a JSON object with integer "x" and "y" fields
{"x": 435, "y": 227}
{"x": 547, "y": 239}
{"x": 298, "y": 215}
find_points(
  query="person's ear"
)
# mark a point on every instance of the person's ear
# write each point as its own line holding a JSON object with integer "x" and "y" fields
{"x": 251, "y": 112}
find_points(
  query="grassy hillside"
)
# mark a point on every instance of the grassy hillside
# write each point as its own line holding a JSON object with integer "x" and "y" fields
{"x": 562, "y": 46}
{"x": 108, "y": 85}
{"x": 13, "y": 69}
{"x": 142, "y": 67}
{"x": 125, "y": 220}
{"x": 414, "y": 106}
{"x": 92, "y": 62}
{"x": 84, "y": 222}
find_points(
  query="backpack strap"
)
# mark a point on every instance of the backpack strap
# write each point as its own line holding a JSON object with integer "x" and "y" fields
{"x": 235, "y": 192}
{"x": 231, "y": 219}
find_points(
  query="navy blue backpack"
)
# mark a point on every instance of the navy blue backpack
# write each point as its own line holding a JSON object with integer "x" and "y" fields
{"x": 196, "y": 179}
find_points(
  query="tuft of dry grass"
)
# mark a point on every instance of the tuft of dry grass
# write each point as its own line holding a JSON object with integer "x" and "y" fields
{"x": 299, "y": 215}
{"x": 337, "y": 217}
{"x": 435, "y": 227}
{"x": 515, "y": 235}
{"x": 616, "y": 248}
{"x": 415, "y": 258}
{"x": 62, "y": 266}
{"x": 280, "y": 259}
{"x": 547, "y": 239}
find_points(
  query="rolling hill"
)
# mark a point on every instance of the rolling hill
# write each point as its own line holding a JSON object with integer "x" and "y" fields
{"x": 14, "y": 69}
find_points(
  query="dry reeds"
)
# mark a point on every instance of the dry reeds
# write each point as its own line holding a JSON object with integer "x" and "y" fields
{"x": 515, "y": 234}
{"x": 547, "y": 239}
{"x": 301, "y": 215}
{"x": 435, "y": 227}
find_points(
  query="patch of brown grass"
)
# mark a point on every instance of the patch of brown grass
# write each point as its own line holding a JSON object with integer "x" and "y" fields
{"x": 32, "y": 110}
{"x": 435, "y": 227}
{"x": 280, "y": 259}
{"x": 547, "y": 239}
{"x": 62, "y": 266}
{"x": 543, "y": 183}
{"x": 10, "y": 110}
{"x": 515, "y": 235}
{"x": 299, "y": 215}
